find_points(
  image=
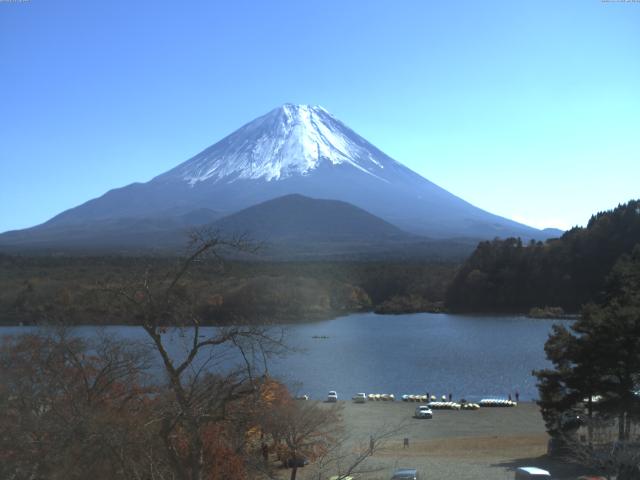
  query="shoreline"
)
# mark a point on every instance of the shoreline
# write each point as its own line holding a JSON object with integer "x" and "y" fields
{"x": 308, "y": 319}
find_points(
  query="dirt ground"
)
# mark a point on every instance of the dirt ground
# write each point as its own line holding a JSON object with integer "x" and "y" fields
{"x": 467, "y": 445}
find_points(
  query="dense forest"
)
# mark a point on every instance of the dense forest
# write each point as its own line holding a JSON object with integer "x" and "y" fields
{"x": 83, "y": 290}
{"x": 510, "y": 276}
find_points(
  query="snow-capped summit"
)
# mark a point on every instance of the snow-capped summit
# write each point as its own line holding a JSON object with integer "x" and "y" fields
{"x": 289, "y": 140}
{"x": 293, "y": 149}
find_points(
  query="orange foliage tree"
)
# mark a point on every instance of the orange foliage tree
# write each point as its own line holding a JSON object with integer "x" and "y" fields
{"x": 74, "y": 409}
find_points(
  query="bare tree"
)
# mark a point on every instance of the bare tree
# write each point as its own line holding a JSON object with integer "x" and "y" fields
{"x": 75, "y": 410}
{"x": 308, "y": 431}
{"x": 220, "y": 366}
{"x": 349, "y": 456}
{"x": 302, "y": 431}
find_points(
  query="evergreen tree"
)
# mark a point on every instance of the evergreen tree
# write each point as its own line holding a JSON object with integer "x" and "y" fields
{"x": 598, "y": 357}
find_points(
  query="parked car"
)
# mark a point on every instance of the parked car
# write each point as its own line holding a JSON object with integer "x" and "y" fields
{"x": 332, "y": 396}
{"x": 360, "y": 398}
{"x": 423, "y": 411}
{"x": 524, "y": 473}
{"x": 406, "y": 474}
{"x": 298, "y": 462}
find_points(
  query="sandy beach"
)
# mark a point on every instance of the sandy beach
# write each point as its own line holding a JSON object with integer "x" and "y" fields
{"x": 484, "y": 444}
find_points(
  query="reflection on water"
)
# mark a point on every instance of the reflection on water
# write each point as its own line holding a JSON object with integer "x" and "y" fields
{"x": 468, "y": 356}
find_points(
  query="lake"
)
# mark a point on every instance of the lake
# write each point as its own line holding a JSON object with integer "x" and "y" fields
{"x": 469, "y": 356}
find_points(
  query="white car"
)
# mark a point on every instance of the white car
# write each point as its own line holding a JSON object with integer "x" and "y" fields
{"x": 531, "y": 472}
{"x": 332, "y": 396}
{"x": 360, "y": 398}
{"x": 423, "y": 411}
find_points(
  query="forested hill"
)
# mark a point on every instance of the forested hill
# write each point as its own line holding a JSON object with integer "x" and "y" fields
{"x": 507, "y": 275}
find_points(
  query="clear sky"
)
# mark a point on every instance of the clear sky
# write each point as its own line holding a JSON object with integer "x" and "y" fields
{"x": 528, "y": 109}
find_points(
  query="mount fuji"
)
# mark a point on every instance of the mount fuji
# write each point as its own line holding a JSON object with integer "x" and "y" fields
{"x": 293, "y": 149}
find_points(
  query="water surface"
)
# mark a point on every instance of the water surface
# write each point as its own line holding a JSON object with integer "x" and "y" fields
{"x": 467, "y": 356}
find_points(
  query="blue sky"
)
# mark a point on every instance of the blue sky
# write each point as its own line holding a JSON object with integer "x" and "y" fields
{"x": 530, "y": 110}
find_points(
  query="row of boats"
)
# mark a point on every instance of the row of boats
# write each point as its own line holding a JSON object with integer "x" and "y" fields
{"x": 433, "y": 401}
{"x": 464, "y": 405}
{"x": 430, "y": 401}
{"x": 385, "y": 397}
{"x": 453, "y": 406}
{"x": 497, "y": 402}
{"x": 422, "y": 398}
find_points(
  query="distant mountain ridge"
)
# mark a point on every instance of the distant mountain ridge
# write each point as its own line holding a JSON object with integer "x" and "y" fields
{"x": 294, "y": 149}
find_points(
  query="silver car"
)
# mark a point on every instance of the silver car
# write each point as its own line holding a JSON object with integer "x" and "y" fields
{"x": 406, "y": 474}
{"x": 423, "y": 411}
{"x": 360, "y": 398}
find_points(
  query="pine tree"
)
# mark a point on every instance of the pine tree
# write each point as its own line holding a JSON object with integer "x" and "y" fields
{"x": 598, "y": 357}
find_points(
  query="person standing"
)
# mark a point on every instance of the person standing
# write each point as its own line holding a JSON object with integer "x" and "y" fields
{"x": 517, "y": 396}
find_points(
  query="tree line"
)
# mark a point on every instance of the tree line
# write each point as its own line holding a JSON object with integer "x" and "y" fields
{"x": 35, "y": 288}
{"x": 512, "y": 276}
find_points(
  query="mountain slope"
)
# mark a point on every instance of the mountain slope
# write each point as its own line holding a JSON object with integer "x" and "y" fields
{"x": 294, "y": 149}
{"x": 295, "y": 219}
{"x": 299, "y": 227}
{"x": 136, "y": 235}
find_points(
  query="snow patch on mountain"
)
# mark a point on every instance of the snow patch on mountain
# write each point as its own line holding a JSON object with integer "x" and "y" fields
{"x": 290, "y": 140}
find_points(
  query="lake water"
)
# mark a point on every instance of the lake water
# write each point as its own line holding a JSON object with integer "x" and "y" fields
{"x": 468, "y": 356}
